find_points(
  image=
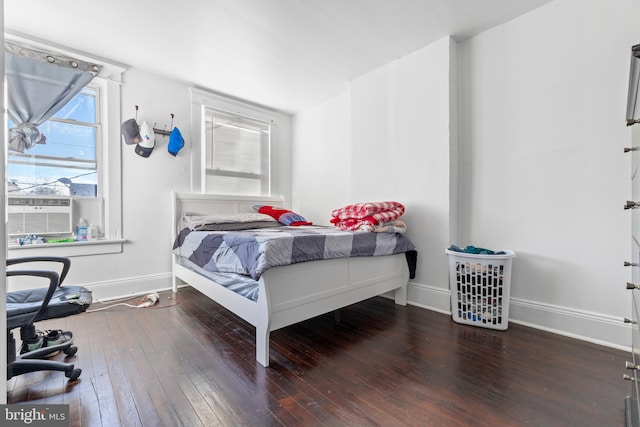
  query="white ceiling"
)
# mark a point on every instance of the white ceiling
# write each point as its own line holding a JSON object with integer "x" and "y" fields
{"x": 285, "y": 54}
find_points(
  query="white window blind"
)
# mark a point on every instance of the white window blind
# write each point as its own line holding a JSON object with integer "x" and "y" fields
{"x": 237, "y": 154}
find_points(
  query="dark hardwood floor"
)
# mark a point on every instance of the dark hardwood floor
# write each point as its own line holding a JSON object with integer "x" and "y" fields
{"x": 189, "y": 362}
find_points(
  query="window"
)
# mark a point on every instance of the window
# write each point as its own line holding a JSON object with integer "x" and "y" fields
{"x": 237, "y": 154}
{"x": 81, "y": 157}
{"x": 67, "y": 165}
{"x": 234, "y": 151}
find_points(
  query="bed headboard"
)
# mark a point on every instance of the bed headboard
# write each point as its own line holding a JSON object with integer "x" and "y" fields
{"x": 203, "y": 204}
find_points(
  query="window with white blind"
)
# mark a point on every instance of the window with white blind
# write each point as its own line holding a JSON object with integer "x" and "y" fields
{"x": 237, "y": 153}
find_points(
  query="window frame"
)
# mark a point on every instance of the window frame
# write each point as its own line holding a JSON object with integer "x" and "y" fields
{"x": 263, "y": 179}
{"x": 200, "y": 101}
{"x": 108, "y": 140}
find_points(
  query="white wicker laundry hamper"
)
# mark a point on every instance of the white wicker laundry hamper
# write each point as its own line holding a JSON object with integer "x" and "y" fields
{"x": 480, "y": 288}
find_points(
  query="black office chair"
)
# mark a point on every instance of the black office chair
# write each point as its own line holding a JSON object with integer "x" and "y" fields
{"x": 25, "y": 307}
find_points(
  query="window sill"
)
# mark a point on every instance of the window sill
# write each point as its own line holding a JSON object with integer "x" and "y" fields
{"x": 92, "y": 247}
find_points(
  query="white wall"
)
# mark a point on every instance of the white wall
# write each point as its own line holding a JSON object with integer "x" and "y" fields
{"x": 387, "y": 138}
{"x": 322, "y": 158}
{"x": 147, "y": 182}
{"x": 543, "y": 170}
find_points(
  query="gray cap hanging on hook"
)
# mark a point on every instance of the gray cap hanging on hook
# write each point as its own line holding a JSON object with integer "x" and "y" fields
{"x": 130, "y": 132}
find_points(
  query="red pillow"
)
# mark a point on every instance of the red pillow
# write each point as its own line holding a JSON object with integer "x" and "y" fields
{"x": 283, "y": 216}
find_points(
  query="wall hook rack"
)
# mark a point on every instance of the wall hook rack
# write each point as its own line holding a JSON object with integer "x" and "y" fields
{"x": 164, "y": 131}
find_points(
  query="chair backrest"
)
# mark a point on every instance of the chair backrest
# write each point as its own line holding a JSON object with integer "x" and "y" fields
{"x": 59, "y": 264}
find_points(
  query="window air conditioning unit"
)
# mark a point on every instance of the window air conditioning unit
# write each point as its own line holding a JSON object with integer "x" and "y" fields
{"x": 39, "y": 215}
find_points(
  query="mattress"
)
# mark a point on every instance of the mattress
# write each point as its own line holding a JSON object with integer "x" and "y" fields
{"x": 252, "y": 252}
{"x": 241, "y": 284}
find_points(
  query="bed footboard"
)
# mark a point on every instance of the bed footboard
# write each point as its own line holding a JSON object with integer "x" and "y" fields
{"x": 302, "y": 291}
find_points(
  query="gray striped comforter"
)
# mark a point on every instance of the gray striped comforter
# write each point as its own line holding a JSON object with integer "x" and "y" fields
{"x": 252, "y": 252}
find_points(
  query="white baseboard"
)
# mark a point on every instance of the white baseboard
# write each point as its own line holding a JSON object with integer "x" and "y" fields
{"x": 127, "y": 288}
{"x": 429, "y": 297}
{"x": 587, "y": 326}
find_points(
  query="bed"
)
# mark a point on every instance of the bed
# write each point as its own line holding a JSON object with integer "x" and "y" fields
{"x": 286, "y": 294}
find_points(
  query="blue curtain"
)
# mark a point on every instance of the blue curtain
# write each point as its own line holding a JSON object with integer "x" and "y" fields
{"x": 39, "y": 84}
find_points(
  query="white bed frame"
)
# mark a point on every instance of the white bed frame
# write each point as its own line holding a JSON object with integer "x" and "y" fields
{"x": 293, "y": 293}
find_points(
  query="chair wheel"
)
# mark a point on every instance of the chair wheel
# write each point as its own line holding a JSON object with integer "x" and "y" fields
{"x": 73, "y": 374}
{"x": 70, "y": 351}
